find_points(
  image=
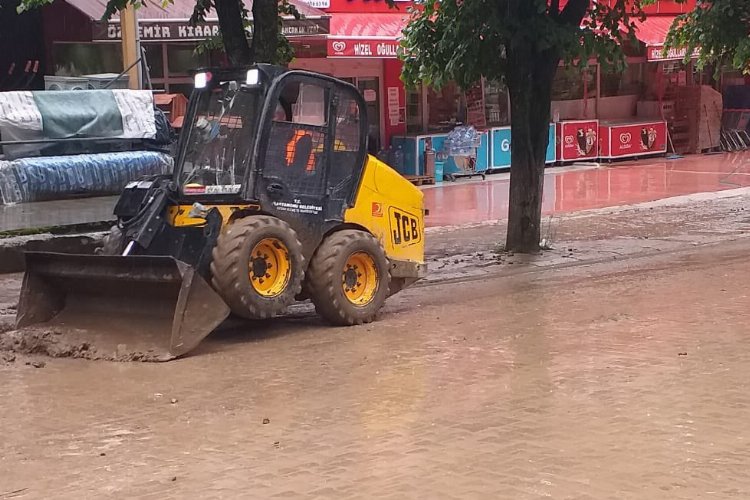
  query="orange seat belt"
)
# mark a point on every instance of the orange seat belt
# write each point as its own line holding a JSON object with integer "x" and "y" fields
{"x": 291, "y": 149}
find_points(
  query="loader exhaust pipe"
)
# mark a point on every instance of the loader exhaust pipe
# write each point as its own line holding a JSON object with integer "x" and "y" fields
{"x": 153, "y": 305}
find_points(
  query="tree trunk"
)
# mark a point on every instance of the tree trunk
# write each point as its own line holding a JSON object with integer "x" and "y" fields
{"x": 265, "y": 30}
{"x": 233, "y": 33}
{"x": 530, "y": 78}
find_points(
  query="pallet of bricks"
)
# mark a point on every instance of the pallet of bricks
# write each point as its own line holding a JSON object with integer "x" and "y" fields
{"x": 697, "y": 121}
{"x": 420, "y": 180}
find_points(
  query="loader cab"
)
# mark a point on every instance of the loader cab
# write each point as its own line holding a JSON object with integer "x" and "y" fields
{"x": 293, "y": 141}
{"x": 221, "y": 125}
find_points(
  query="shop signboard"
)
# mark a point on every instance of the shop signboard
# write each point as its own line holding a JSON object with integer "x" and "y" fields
{"x": 394, "y": 106}
{"x": 359, "y": 6}
{"x": 500, "y": 143}
{"x": 382, "y": 49}
{"x": 577, "y": 140}
{"x": 318, "y": 4}
{"x": 623, "y": 140}
{"x": 181, "y": 30}
{"x": 656, "y": 53}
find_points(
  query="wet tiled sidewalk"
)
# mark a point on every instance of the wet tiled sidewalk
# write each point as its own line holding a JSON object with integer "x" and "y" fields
{"x": 566, "y": 189}
{"x": 571, "y": 189}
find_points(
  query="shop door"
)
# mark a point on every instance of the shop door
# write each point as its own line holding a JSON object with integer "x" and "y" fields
{"x": 370, "y": 90}
{"x": 369, "y": 87}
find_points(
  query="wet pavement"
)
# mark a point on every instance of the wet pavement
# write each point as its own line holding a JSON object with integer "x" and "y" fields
{"x": 571, "y": 189}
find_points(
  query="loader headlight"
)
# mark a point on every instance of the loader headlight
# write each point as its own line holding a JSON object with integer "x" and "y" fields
{"x": 202, "y": 79}
{"x": 253, "y": 76}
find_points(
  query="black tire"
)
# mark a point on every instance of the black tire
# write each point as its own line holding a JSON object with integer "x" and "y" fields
{"x": 112, "y": 242}
{"x": 327, "y": 270}
{"x": 231, "y": 266}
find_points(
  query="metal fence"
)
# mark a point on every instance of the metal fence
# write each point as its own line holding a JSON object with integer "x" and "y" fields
{"x": 734, "y": 130}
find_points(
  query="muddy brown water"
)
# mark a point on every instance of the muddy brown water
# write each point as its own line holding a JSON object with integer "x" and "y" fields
{"x": 625, "y": 379}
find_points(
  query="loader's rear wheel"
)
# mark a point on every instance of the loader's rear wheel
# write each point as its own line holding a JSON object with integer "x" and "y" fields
{"x": 349, "y": 278}
{"x": 258, "y": 266}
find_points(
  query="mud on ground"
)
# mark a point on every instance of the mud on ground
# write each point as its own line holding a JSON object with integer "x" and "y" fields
{"x": 471, "y": 253}
{"x": 58, "y": 344}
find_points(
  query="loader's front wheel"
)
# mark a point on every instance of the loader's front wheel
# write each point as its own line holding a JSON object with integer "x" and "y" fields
{"x": 258, "y": 266}
{"x": 349, "y": 278}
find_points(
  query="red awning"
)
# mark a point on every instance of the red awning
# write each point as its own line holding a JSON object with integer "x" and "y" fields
{"x": 653, "y": 33}
{"x": 385, "y": 26}
{"x": 366, "y": 35}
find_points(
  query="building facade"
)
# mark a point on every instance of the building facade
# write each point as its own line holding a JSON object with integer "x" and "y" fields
{"x": 357, "y": 40}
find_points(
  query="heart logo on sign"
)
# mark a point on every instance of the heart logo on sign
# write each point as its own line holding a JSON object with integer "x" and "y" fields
{"x": 339, "y": 46}
{"x": 626, "y": 138}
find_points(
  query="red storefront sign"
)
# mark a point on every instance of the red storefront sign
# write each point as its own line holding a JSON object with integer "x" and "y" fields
{"x": 632, "y": 139}
{"x": 577, "y": 140}
{"x": 384, "y": 49}
{"x": 657, "y": 54}
{"x": 358, "y": 6}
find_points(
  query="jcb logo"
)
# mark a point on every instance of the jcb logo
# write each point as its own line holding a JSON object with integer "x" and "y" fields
{"x": 405, "y": 228}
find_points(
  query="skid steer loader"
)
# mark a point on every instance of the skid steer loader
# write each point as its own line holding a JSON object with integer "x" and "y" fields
{"x": 273, "y": 199}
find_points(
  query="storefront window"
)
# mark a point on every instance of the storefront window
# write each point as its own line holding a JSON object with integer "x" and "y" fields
{"x": 571, "y": 83}
{"x": 496, "y": 103}
{"x": 154, "y": 59}
{"x": 182, "y": 58}
{"x": 662, "y": 79}
{"x": 627, "y": 82}
{"x": 181, "y": 88}
{"x": 414, "y": 110}
{"x": 705, "y": 76}
{"x": 443, "y": 107}
{"x": 76, "y": 59}
{"x": 730, "y": 77}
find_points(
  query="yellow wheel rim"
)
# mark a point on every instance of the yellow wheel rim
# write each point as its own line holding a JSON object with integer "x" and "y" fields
{"x": 270, "y": 268}
{"x": 360, "y": 279}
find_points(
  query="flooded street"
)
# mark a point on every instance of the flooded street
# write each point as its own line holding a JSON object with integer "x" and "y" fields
{"x": 617, "y": 380}
{"x": 612, "y": 366}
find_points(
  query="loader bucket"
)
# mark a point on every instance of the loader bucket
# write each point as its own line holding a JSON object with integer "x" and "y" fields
{"x": 158, "y": 307}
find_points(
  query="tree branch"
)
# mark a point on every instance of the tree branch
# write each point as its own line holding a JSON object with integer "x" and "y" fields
{"x": 572, "y": 14}
{"x": 554, "y": 8}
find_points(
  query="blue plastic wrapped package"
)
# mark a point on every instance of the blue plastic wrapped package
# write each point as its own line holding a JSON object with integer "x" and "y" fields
{"x": 461, "y": 141}
{"x": 10, "y": 192}
{"x": 58, "y": 177}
